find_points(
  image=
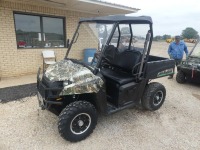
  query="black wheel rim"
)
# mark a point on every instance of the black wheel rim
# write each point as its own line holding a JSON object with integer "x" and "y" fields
{"x": 80, "y": 123}
{"x": 158, "y": 98}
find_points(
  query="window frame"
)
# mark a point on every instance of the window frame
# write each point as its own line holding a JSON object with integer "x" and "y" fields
{"x": 41, "y": 27}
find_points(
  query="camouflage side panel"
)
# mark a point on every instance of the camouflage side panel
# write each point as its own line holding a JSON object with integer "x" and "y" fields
{"x": 76, "y": 78}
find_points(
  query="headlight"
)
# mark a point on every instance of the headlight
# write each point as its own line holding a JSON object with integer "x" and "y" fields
{"x": 66, "y": 83}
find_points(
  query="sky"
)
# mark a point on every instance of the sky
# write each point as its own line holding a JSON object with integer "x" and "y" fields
{"x": 169, "y": 16}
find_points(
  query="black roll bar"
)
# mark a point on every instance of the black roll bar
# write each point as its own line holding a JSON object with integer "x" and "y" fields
{"x": 70, "y": 45}
{"x": 104, "y": 48}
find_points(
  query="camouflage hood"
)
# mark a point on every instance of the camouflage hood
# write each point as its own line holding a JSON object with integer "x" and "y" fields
{"x": 76, "y": 78}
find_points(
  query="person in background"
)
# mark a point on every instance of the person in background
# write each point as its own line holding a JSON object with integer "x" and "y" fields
{"x": 124, "y": 44}
{"x": 176, "y": 51}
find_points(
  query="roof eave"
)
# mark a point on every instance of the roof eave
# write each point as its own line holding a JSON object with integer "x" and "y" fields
{"x": 103, "y": 3}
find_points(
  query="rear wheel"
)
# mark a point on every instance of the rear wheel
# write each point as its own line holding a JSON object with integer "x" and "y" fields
{"x": 154, "y": 96}
{"x": 180, "y": 77}
{"x": 77, "y": 121}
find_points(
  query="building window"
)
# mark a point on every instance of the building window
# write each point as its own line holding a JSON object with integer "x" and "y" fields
{"x": 34, "y": 31}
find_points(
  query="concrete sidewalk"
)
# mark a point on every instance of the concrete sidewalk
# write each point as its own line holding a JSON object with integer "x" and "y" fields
{"x": 14, "y": 81}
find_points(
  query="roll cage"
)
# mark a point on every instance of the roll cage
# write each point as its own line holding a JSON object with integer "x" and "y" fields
{"x": 117, "y": 20}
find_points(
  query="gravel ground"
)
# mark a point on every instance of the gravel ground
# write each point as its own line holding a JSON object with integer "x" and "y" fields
{"x": 174, "y": 126}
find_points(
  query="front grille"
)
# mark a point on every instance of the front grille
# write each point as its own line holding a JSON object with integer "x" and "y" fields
{"x": 49, "y": 89}
{"x": 42, "y": 89}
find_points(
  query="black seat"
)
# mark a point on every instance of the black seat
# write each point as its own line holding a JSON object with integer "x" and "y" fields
{"x": 109, "y": 53}
{"x": 127, "y": 60}
{"x": 117, "y": 76}
{"x": 122, "y": 63}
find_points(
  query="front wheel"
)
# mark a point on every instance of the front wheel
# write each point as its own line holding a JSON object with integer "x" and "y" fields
{"x": 77, "y": 121}
{"x": 180, "y": 77}
{"x": 154, "y": 96}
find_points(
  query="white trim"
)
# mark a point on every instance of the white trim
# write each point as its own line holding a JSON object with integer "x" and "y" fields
{"x": 103, "y": 3}
{"x": 72, "y": 6}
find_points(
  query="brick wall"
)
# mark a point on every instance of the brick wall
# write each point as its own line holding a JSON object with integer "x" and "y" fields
{"x": 16, "y": 62}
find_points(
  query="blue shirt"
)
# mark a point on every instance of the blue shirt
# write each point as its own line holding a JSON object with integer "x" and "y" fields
{"x": 176, "y": 51}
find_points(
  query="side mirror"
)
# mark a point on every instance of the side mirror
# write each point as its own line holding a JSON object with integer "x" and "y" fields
{"x": 67, "y": 43}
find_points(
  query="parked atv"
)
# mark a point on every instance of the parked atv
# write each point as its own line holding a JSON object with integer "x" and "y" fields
{"x": 189, "y": 69}
{"x": 119, "y": 78}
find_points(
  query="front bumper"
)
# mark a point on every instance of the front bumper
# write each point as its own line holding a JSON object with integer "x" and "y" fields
{"x": 46, "y": 96}
{"x": 190, "y": 71}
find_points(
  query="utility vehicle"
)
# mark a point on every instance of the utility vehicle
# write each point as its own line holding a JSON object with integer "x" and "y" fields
{"x": 189, "y": 69}
{"x": 117, "y": 78}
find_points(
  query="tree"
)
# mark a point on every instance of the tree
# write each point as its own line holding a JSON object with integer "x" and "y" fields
{"x": 125, "y": 30}
{"x": 166, "y": 37}
{"x": 190, "y": 33}
{"x": 157, "y": 38}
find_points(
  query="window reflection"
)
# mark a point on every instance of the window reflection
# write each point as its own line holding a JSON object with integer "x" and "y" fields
{"x": 53, "y": 32}
{"x": 27, "y": 31}
{"x": 39, "y": 32}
